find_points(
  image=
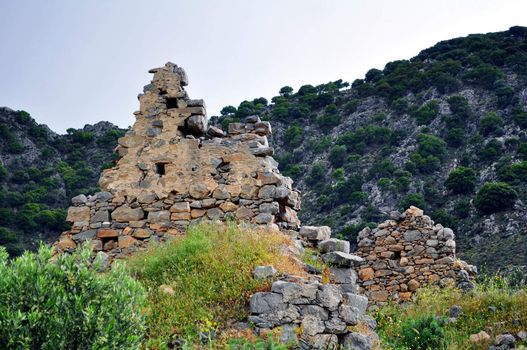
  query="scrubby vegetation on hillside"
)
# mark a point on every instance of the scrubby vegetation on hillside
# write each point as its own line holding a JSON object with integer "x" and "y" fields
{"x": 444, "y": 130}
{"x": 40, "y": 171}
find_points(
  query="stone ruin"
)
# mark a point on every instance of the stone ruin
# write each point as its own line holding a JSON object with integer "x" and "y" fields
{"x": 407, "y": 252}
{"x": 175, "y": 170}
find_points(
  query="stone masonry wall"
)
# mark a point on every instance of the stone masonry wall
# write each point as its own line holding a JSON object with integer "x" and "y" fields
{"x": 175, "y": 170}
{"x": 407, "y": 252}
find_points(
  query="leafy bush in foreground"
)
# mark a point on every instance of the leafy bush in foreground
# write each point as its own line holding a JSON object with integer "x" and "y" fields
{"x": 65, "y": 304}
{"x": 424, "y": 333}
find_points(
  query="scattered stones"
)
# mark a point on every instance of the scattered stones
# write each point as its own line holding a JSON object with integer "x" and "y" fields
{"x": 264, "y": 272}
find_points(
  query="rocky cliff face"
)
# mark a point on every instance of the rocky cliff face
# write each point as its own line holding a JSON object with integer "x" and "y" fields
{"x": 436, "y": 131}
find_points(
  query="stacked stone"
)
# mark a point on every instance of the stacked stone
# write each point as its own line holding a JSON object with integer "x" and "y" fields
{"x": 336, "y": 253}
{"x": 176, "y": 170}
{"x": 313, "y": 315}
{"x": 403, "y": 254}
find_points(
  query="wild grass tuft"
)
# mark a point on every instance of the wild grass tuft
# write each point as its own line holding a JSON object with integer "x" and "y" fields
{"x": 494, "y": 306}
{"x": 197, "y": 282}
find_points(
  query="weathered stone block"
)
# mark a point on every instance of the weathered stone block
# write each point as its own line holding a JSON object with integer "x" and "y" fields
{"x": 84, "y": 236}
{"x": 107, "y": 233}
{"x": 125, "y": 213}
{"x": 315, "y": 233}
{"x": 198, "y": 191}
{"x": 78, "y": 214}
{"x": 333, "y": 244}
{"x": 266, "y": 302}
{"x": 158, "y": 216}
{"x": 180, "y": 207}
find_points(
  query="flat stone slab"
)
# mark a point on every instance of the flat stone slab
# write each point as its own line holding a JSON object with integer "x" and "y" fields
{"x": 342, "y": 259}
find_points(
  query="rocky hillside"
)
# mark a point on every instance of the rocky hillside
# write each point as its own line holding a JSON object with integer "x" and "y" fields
{"x": 445, "y": 131}
{"x": 40, "y": 171}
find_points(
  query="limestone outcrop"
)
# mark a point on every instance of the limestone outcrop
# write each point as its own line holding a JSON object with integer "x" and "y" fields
{"x": 408, "y": 252}
{"x": 175, "y": 170}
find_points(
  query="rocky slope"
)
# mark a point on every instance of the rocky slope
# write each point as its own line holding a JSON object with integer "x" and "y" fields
{"x": 437, "y": 131}
{"x": 41, "y": 170}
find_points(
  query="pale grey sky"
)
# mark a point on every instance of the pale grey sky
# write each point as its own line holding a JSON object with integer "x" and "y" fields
{"x": 75, "y": 62}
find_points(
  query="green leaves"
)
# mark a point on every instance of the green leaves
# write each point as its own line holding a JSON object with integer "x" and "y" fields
{"x": 65, "y": 304}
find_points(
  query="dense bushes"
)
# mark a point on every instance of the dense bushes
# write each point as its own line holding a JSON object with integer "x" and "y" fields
{"x": 461, "y": 180}
{"x": 65, "y": 304}
{"x": 427, "y": 112}
{"x": 494, "y": 197}
{"x": 514, "y": 173}
{"x": 490, "y": 123}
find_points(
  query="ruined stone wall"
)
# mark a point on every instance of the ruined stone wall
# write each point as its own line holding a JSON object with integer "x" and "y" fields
{"x": 175, "y": 170}
{"x": 407, "y": 252}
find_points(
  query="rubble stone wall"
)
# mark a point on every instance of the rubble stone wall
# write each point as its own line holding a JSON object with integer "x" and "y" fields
{"x": 175, "y": 170}
{"x": 407, "y": 252}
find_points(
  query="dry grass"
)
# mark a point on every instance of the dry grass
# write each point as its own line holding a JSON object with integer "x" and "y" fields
{"x": 198, "y": 282}
{"x": 510, "y": 315}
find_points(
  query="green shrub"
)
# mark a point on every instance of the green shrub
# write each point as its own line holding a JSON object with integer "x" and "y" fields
{"x": 293, "y": 136}
{"x": 66, "y": 304}
{"x": 522, "y": 151}
{"x": 483, "y": 75}
{"x": 495, "y": 196}
{"x": 3, "y": 173}
{"x": 316, "y": 174}
{"x": 520, "y": 117}
{"x": 441, "y": 216}
{"x": 430, "y": 145}
{"x": 490, "y": 123}
{"x": 415, "y": 199}
{"x": 286, "y": 91}
{"x": 337, "y": 155}
{"x": 461, "y": 180}
{"x": 424, "y": 333}
{"x": 427, "y": 112}
{"x": 514, "y": 173}
{"x": 228, "y": 110}
{"x": 455, "y": 137}
{"x": 490, "y": 151}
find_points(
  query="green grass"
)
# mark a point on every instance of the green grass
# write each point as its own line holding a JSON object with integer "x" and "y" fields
{"x": 510, "y": 315}
{"x": 198, "y": 282}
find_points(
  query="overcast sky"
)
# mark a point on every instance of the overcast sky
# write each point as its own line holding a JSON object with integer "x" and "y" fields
{"x": 71, "y": 63}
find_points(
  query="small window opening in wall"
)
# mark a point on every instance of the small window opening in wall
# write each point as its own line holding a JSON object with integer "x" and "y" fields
{"x": 160, "y": 169}
{"x": 171, "y": 102}
{"x": 397, "y": 256}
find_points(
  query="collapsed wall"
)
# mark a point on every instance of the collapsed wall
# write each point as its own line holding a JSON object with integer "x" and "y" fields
{"x": 175, "y": 170}
{"x": 408, "y": 252}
